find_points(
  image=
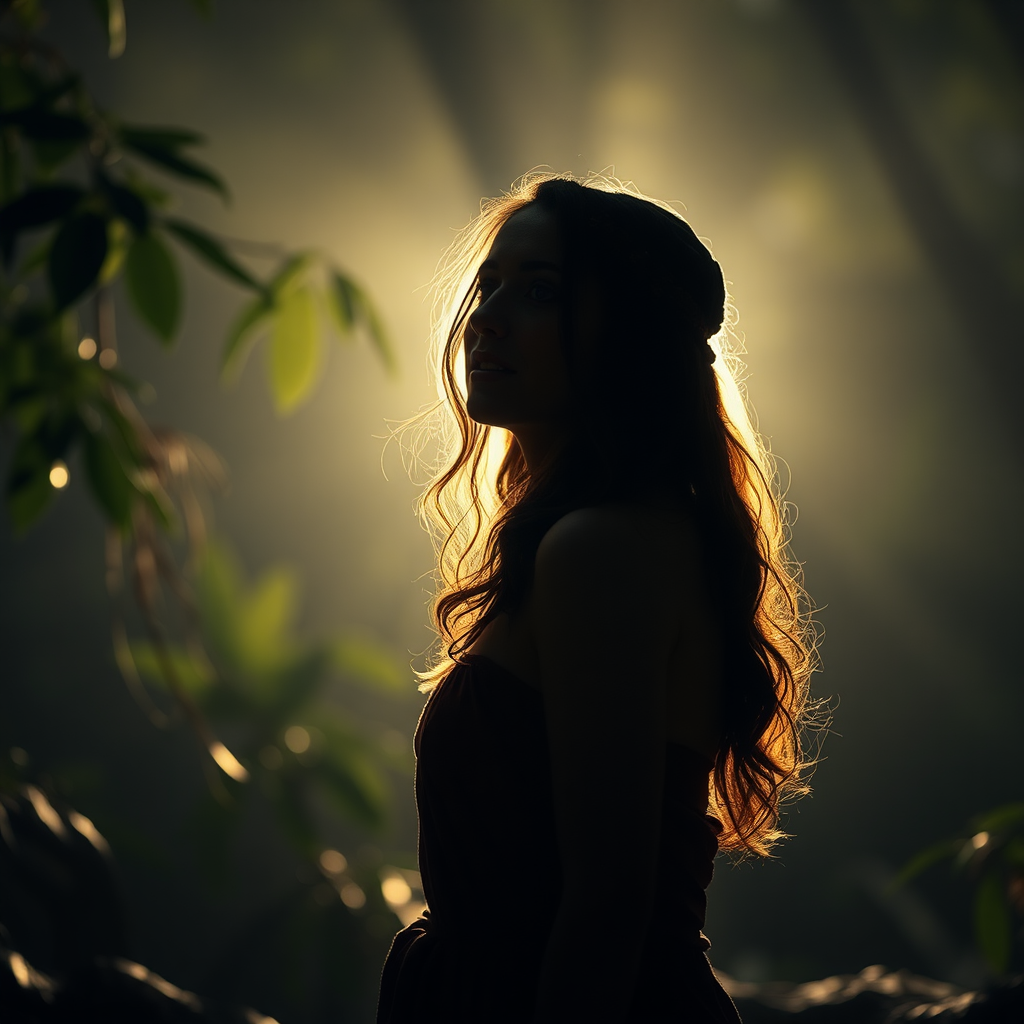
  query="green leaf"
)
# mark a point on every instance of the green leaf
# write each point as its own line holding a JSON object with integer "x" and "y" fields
{"x": 161, "y": 138}
{"x": 129, "y": 205}
{"x": 246, "y": 327}
{"x": 35, "y": 208}
{"x": 992, "y": 929}
{"x": 193, "y": 676}
{"x": 289, "y": 274}
{"x": 946, "y": 850}
{"x": 154, "y": 286}
{"x": 1000, "y": 819}
{"x": 169, "y": 159}
{"x": 111, "y": 15}
{"x": 291, "y": 688}
{"x": 357, "y": 787}
{"x": 213, "y": 252}
{"x": 76, "y": 257}
{"x": 369, "y": 663}
{"x": 117, "y": 249}
{"x": 265, "y": 620}
{"x": 295, "y": 350}
{"x": 350, "y": 306}
{"x": 220, "y": 591}
{"x": 343, "y": 303}
{"x": 110, "y": 484}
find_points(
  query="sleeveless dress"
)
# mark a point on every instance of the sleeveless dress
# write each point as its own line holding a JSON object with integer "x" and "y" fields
{"x": 489, "y": 859}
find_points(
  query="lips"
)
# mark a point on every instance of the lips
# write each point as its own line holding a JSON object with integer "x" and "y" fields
{"x": 486, "y": 362}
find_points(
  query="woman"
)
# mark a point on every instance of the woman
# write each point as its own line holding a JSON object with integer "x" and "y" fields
{"x": 624, "y": 642}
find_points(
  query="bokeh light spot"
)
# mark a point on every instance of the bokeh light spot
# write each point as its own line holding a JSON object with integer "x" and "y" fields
{"x": 45, "y": 812}
{"x": 19, "y": 969}
{"x": 19, "y": 756}
{"x": 86, "y": 348}
{"x": 296, "y": 739}
{"x": 352, "y": 896}
{"x": 80, "y": 823}
{"x": 395, "y": 890}
{"x": 59, "y": 475}
{"x": 108, "y": 359}
{"x": 333, "y": 862}
{"x": 227, "y": 762}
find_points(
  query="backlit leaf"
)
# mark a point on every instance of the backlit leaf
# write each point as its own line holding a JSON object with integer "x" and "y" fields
{"x": 992, "y": 927}
{"x": 192, "y": 675}
{"x": 295, "y": 350}
{"x": 369, "y": 663}
{"x": 76, "y": 256}
{"x": 946, "y": 850}
{"x": 111, "y": 15}
{"x": 355, "y": 784}
{"x": 117, "y": 249}
{"x": 265, "y": 619}
{"x": 253, "y": 317}
{"x": 215, "y": 254}
{"x": 154, "y": 285}
{"x": 290, "y": 272}
{"x": 220, "y": 590}
{"x": 1000, "y": 819}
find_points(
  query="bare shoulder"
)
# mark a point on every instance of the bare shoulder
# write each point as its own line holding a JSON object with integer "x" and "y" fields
{"x": 645, "y": 545}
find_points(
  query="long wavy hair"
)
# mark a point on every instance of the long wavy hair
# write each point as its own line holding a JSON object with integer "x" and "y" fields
{"x": 657, "y": 416}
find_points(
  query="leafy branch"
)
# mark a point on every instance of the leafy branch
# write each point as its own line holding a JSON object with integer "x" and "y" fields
{"x": 79, "y": 211}
{"x": 991, "y": 854}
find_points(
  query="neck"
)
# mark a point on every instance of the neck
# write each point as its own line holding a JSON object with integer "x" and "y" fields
{"x": 539, "y": 445}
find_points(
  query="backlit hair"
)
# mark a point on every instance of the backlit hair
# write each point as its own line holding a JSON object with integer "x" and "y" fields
{"x": 657, "y": 415}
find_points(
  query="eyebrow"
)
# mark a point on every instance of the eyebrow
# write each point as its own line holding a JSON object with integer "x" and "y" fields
{"x": 528, "y": 265}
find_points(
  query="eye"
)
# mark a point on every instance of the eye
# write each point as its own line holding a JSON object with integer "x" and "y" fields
{"x": 542, "y": 291}
{"x": 484, "y": 287}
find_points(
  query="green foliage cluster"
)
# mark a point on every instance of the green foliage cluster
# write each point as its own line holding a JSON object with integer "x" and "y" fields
{"x": 265, "y": 688}
{"x": 78, "y": 211}
{"x": 991, "y": 854}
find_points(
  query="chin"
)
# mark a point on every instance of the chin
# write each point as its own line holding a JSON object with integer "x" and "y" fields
{"x": 486, "y": 413}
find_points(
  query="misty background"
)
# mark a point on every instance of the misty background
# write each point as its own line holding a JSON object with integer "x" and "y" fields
{"x": 861, "y": 188}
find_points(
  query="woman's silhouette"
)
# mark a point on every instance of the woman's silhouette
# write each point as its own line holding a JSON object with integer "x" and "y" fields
{"x": 625, "y": 651}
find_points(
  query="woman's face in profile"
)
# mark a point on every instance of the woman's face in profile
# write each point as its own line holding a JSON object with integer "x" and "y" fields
{"x": 516, "y": 372}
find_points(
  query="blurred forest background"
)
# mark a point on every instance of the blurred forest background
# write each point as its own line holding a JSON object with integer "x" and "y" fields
{"x": 858, "y": 169}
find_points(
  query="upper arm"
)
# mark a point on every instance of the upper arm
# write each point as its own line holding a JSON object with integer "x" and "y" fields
{"x": 605, "y": 616}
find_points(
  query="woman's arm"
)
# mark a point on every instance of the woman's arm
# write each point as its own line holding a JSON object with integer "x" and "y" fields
{"x": 606, "y": 614}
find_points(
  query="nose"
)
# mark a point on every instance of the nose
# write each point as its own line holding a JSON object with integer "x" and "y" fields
{"x": 486, "y": 319}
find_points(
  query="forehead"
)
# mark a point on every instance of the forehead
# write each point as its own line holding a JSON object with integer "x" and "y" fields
{"x": 531, "y": 234}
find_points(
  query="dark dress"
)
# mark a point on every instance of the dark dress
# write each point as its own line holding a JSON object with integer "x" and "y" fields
{"x": 491, "y": 876}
